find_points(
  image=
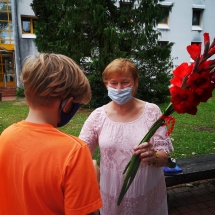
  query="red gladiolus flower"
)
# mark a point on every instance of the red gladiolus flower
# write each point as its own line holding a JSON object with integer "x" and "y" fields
{"x": 198, "y": 82}
{"x": 194, "y": 51}
{"x": 183, "y": 100}
{"x": 181, "y": 108}
{"x": 212, "y": 51}
{"x": 183, "y": 70}
{"x": 205, "y": 66}
{"x": 176, "y": 81}
{"x": 207, "y": 93}
{"x": 213, "y": 78}
{"x": 206, "y": 38}
{"x": 191, "y": 110}
{"x": 180, "y": 73}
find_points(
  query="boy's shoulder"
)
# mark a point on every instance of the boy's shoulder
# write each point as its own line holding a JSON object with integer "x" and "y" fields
{"x": 45, "y": 133}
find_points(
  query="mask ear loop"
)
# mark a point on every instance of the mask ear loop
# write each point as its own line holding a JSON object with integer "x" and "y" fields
{"x": 66, "y": 117}
{"x": 75, "y": 107}
{"x": 63, "y": 104}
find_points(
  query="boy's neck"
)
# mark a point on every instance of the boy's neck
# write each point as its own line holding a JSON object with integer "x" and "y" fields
{"x": 44, "y": 115}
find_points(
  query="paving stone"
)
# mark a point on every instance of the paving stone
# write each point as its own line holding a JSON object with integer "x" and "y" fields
{"x": 8, "y": 98}
{"x": 198, "y": 200}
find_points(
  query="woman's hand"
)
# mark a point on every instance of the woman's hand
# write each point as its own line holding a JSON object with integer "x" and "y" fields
{"x": 149, "y": 155}
{"x": 97, "y": 170}
{"x": 146, "y": 152}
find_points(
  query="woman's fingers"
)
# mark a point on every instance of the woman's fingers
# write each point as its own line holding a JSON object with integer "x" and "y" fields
{"x": 146, "y": 152}
{"x": 144, "y": 147}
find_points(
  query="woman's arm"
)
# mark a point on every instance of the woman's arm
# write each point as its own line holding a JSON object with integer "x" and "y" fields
{"x": 97, "y": 170}
{"x": 89, "y": 131}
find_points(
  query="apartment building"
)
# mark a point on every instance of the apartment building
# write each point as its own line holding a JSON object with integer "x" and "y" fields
{"x": 16, "y": 39}
{"x": 184, "y": 25}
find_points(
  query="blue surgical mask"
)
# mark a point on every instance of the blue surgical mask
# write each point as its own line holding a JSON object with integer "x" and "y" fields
{"x": 66, "y": 117}
{"x": 120, "y": 96}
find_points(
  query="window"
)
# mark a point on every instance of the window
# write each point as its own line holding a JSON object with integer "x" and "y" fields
{"x": 6, "y": 30}
{"x": 197, "y": 43}
{"x": 7, "y": 73}
{"x": 8, "y": 65}
{"x": 126, "y": 5}
{"x": 162, "y": 43}
{"x": 27, "y": 25}
{"x": 196, "y": 20}
{"x": 197, "y": 17}
{"x": 164, "y": 20}
{"x": 163, "y": 23}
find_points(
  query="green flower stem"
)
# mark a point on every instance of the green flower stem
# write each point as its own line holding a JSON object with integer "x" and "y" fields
{"x": 133, "y": 165}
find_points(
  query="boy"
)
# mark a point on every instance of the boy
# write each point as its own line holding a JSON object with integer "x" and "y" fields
{"x": 44, "y": 170}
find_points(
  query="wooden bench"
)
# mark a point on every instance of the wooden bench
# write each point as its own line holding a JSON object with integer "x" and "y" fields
{"x": 195, "y": 168}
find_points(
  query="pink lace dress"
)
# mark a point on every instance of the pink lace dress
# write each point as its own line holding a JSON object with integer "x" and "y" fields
{"x": 116, "y": 140}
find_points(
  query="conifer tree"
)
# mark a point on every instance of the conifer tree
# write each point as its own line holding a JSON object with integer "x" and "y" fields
{"x": 94, "y": 32}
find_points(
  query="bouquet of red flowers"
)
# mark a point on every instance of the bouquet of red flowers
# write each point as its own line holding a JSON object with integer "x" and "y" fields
{"x": 191, "y": 85}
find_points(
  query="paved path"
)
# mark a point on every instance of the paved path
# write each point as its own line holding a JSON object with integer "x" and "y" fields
{"x": 196, "y": 198}
{"x": 9, "y": 98}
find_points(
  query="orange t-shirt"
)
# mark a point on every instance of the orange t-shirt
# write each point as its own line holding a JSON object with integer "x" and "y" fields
{"x": 45, "y": 171}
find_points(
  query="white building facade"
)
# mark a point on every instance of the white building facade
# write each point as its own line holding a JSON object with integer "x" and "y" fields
{"x": 186, "y": 24}
{"x": 23, "y": 33}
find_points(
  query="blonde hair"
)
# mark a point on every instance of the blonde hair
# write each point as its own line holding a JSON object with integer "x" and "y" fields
{"x": 49, "y": 77}
{"x": 120, "y": 66}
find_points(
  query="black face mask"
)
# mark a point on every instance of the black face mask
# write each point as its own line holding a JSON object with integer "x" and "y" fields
{"x": 66, "y": 117}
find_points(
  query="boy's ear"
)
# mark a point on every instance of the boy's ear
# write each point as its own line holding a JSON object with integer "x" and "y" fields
{"x": 68, "y": 105}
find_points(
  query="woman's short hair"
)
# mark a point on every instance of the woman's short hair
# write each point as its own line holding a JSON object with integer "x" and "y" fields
{"x": 120, "y": 66}
{"x": 49, "y": 77}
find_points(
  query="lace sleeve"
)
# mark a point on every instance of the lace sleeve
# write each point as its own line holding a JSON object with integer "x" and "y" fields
{"x": 89, "y": 131}
{"x": 159, "y": 140}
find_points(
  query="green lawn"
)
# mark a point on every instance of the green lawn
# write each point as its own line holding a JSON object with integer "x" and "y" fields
{"x": 195, "y": 134}
{"x": 192, "y": 134}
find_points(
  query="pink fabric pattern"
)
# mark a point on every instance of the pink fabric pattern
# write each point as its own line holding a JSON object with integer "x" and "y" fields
{"x": 116, "y": 140}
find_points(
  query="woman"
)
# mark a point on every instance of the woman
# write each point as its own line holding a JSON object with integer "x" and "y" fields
{"x": 117, "y": 128}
